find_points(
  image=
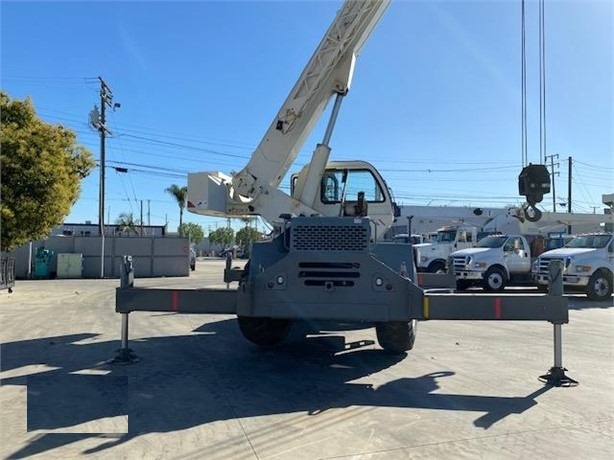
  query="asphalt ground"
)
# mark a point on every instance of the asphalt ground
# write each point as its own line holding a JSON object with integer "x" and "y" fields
{"x": 201, "y": 391}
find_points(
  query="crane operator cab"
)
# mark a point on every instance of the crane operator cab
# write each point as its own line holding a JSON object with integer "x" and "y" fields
{"x": 353, "y": 189}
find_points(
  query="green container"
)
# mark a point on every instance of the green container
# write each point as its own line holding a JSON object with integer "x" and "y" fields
{"x": 42, "y": 263}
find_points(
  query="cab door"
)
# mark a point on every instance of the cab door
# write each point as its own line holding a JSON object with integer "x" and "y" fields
{"x": 516, "y": 255}
{"x": 464, "y": 239}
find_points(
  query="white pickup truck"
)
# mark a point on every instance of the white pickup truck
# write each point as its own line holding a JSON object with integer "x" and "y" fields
{"x": 432, "y": 257}
{"x": 495, "y": 262}
{"x": 588, "y": 260}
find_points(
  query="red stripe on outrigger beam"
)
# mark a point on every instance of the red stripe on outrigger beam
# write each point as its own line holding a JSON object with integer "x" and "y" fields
{"x": 497, "y": 307}
{"x": 175, "y": 300}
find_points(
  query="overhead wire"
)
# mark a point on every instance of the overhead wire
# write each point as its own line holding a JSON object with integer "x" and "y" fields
{"x": 129, "y": 178}
{"x": 126, "y": 135}
{"x": 579, "y": 181}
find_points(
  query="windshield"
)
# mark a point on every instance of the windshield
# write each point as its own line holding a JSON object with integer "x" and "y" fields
{"x": 492, "y": 242}
{"x": 445, "y": 236}
{"x": 589, "y": 241}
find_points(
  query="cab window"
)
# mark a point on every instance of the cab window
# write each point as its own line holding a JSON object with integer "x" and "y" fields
{"x": 333, "y": 182}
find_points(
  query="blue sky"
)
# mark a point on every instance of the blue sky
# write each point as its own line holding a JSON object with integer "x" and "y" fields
{"x": 434, "y": 105}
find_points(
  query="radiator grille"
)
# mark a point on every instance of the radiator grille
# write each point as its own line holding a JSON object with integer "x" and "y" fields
{"x": 545, "y": 262}
{"x": 329, "y": 238}
{"x": 459, "y": 263}
{"x": 329, "y": 274}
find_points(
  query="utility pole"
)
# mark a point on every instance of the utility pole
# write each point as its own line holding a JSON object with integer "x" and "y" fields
{"x": 141, "y": 217}
{"x": 98, "y": 120}
{"x": 148, "y": 213}
{"x": 552, "y": 165}
{"x": 569, "y": 191}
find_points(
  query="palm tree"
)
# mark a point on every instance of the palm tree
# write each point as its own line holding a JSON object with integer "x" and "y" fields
{"x": 180, "y": 194}
{"x": 127, "y": 223}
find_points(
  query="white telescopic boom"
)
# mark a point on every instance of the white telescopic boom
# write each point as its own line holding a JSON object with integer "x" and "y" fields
{"x": 328, "y": 72}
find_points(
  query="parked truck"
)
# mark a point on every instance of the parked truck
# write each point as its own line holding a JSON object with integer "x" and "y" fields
{"x": 432, "y": 257}
{"x": 494, "y": 263}
{"x": 588, "y": 260}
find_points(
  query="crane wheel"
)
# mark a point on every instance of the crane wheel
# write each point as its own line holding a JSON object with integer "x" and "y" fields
{"x": 265, "y": 332}
{"x": 396, "y": 336}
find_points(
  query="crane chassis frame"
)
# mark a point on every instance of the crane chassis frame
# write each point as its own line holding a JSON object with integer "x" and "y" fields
{"x": 305, "y": 276}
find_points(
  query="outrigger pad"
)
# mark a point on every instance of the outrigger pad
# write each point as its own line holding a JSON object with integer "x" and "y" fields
{"x": 124, "y": 356}
{"x": 556, "y": 377}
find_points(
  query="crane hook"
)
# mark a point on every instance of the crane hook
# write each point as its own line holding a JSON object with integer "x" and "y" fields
{"x": 534, "y": 216}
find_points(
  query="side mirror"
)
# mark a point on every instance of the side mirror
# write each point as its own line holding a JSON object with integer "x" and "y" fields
{"x": 396, "y": 210}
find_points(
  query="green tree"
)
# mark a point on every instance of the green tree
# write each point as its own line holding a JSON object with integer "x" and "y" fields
{"x": 42, "y": 169}
{"x": 194, "y": 231}
{"x": 180, "y": 194}
{"x": 246, "y": 236}
{"x": 223, "y": 236}
{"x": 127, "y": 223}
{"x": 247, "y": 220}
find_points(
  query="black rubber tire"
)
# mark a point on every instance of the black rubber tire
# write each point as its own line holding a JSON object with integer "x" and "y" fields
{"x": 265, "y": 332}
{"x": 437, "y": 267}
{"x": 599, "y": 285}
{"x": 462, "y": 285}
{"x": 494, "y": 280}
{"x": 396, "y": 336}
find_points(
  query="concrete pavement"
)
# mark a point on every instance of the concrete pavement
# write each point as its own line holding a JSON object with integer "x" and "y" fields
{"x": 467, "y": 390}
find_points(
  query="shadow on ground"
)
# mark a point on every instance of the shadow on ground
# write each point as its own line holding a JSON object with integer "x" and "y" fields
{"x": 212, "y": 375}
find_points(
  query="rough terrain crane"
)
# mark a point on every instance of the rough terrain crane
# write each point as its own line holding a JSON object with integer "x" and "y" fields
{"x": 326, "y": 265}
{"x": 327, "y": 260}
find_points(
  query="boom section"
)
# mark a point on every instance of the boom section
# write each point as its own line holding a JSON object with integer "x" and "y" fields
{"x": 328, "y": 72}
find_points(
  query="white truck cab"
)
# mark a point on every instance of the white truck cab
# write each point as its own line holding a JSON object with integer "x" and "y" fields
{"x": 588, "y": 265}
{"x": 405, "y": 238}
{"x": 496, "y": 261}
{"x": 432, "y": 257}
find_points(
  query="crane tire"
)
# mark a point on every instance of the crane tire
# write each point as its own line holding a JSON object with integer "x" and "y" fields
{"x": 599, "y": 285}
{"x": 396, "y": 336}
{"x": 265, "y": 332}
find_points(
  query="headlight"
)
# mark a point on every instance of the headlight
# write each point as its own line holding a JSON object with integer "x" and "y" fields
{"x": 480, "y": 265}
{"x": 583, "y": 268}
{"x": 535, "y": 265}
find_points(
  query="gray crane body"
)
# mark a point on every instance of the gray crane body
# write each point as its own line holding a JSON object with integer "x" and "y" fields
{"x": 327, "y": 260}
